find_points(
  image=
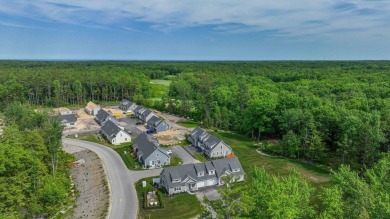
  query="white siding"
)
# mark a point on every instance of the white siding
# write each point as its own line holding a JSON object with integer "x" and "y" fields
{"x": 121, "y": 137}
{"x": 200, "y": 184}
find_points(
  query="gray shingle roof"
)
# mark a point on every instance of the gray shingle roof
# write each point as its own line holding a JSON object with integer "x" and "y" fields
{"x": 229, "y": 164}
{"x": 147, "y": 145}
{"x": 190, "y": 170}
{"x": 68, "y": 118}
{"x": 211, "y": 141}
{"x": 102, "y": 115}
{"x": 196, "y": 132}
{"x": 154, "y": 121}
{"x": 125, "y": 104}
{"x": 110, "y": 128}
{"x": 138, "y": 109}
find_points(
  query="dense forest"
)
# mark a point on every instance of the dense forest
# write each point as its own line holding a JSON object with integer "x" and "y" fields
{"x": 335, "y": 113}
{"x": 34, "y": 178}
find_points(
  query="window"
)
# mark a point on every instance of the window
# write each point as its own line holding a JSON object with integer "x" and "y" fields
{"x": 157, "y": 154}
{"x": 177, "y": 188}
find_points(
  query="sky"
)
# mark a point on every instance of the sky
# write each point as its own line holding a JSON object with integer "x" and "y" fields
{"x": 195, "y": 29}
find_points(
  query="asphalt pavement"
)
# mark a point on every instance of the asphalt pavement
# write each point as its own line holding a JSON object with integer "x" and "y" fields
{"x": 123, "y": 196}
{"x": 183, "y": 154}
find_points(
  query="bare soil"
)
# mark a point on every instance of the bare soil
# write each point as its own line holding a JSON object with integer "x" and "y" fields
{"x": 176, "y": 134}
{"x": 90, "y": 181}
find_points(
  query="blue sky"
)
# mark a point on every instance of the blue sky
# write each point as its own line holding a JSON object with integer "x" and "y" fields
{"x": 195, "y": 30}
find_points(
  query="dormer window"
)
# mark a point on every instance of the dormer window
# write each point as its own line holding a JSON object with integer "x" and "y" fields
{"x": 236, "y": 170}
{"x": 211, "y": 172}
{"x": 201, "y": 173}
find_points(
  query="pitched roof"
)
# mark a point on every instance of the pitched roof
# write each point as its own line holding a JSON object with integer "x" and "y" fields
{"x": 197, "y": 132}
{"x": 110, "y": 128}
{"x": 190, "y": 170}
{"x": 68, "y": 118}
{"x": 102, "y": 115}
{"x": 147, "y": 145}
{"x": 154, "y": 121}
{"x": 91, "y": 105}
{"x": 138, "y": 108}
{"x": 126, "y": 103}
{"x": 211, "y": 141}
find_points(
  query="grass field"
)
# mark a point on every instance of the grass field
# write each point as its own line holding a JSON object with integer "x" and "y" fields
{"x": 162, "y": 82}
{"x": 128, "y": 158}
{"x": 200, "y": 158}
{"x": 245, "y": 149}
{"x": 189, "y": 124}
{"x": 175, "y": 161}
{"x": 175, "y": 207}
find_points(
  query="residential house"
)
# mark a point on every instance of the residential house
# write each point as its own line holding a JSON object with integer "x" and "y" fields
{"x": 92, "y": 108}
{"x": 210, "y": 145}
{"x": 191, "y": 177}
{"x": 114, "y": 134}
{"x": 147, "y": 114}
{"x": 138, "y": 111}
{"x": 103, "y": 116}
{"x": 68, "y": 120}
{"x": 149, "y": 152}
{"x": 127, "y": 106}
{"x": 156, "y": 124}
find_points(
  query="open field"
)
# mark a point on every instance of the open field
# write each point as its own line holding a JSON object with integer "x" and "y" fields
{"x": 245, "y": 149}
{"x": 176, "y": 207}
{"x": 161, "y": 82}
{"x": 189, "y": 124}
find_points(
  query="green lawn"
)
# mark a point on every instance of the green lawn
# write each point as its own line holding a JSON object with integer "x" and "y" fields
{"x": 200, "y": 157}
{"x": 175, "y": 161}
{"x": 245, "y": 149}
{"x": 176, "y": 207}
{"x": 189, "y": 124}
{"x": 128, "y": 158}
{"x": 162, "y": 82}
{"x": 93, "y": 137}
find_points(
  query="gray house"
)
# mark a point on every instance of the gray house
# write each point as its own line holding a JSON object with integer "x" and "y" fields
{"x": 146, "y": 115}
{"x": 138, "y": 111}
{"x": 157, "y": 125}
{"x": 127, "y": 106}
{"x": 210, "y": 145}
{"x": 68, "y": 120}
{"x": 115, "y": 134}
{"x": 191, "y": 177}
{"x": 149, "y": 152}
{"x": 103, "y": 116}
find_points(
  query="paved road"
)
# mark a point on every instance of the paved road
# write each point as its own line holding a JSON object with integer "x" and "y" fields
{"x": 183, "y": 154}
{"x": 129, "y": 124}
{"x": 123, "y": 197}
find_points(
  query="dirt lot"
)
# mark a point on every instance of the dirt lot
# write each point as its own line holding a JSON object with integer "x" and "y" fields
{"x": 176, "y": 134}
{"x": 90, "y": 181}
{"x": 170, "y": 137}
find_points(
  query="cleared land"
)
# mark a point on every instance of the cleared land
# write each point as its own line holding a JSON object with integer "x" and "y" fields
{"x": 161, "y": 82}
{"x": 245, "y": 149}
{"x": 90, "y": 181}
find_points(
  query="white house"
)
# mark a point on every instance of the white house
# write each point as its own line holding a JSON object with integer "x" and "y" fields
{"x": 115, "y": 134}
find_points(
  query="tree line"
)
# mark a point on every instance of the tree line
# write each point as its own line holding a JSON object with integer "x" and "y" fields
{"x": 329, "y": 112}
{"x": 34, "y": 177}
{"x": 350, "y": 195}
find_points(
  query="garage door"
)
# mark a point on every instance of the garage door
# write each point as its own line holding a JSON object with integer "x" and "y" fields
{"x": 211, "y": 182}
{"x": 200, "y": 184}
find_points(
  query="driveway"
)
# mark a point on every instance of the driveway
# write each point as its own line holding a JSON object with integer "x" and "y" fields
{"x": 129, "y": 124}
{"x": 183, "y": 154}
{"x": 123, "y": 196}
{"x": 212, "y": 194}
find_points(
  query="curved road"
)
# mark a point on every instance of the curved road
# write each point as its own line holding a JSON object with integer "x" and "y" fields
{"x": 123, "y": 197}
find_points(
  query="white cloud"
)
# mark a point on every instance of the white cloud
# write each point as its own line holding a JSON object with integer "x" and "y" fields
{"x": 320, "y": 18}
